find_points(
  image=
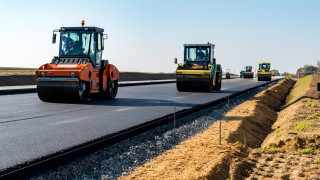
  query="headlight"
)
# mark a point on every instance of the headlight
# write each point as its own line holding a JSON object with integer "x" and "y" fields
{"x": 73, "y": 73}
{"x": 43, "y": 73}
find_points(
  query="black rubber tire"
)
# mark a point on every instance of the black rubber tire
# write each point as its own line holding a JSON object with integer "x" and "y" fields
{"x": 218, "y": 86}
{"x": 210, "y": 85}
{"x": 112, "y": 89}
{"x": 83, "y": 92}
{"x": 259, "y": 78}
{"x": 179, "y": 87}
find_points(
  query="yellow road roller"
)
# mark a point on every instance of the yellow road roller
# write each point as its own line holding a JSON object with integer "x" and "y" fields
{"x": 199, "y": 71}
{"x": 264, "y": 73}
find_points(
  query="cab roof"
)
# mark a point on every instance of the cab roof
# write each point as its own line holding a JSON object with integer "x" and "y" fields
{"x": 198, "y": 45}
{"x": 100, "y": 30}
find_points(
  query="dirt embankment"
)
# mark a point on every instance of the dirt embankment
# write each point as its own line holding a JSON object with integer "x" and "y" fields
{"x": 18, "y": 80}
{"x": 292, "y": 148}
{"x": 201, "y": 157}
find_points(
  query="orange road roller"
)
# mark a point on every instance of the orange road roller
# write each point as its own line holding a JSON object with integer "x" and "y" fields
{"x": 78, "y": 72}
{"x": 248, "y": 72}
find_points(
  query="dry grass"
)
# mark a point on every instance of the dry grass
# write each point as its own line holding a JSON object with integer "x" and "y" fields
{"x": 299, "y": 89}
{"x": 8, "y": 71}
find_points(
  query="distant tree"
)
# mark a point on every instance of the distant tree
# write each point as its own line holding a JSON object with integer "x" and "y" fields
{"x": 309, "y": 69}
{"x": 286, "y": 74}
{"x": 299, "y": 73}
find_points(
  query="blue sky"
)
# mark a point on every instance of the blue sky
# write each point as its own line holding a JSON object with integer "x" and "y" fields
{"x": 146, "y": 35}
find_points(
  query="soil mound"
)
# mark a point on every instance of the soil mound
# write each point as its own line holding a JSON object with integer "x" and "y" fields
{"x": 201, "y": 157}
{"x": 291, "y": 149}
{"x": 297, "y": 127}
{"x": 305, "y": 87}
{"x": 258, "y": 114}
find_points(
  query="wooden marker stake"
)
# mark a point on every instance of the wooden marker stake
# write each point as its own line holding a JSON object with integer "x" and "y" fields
{"x": 174, "y": 125}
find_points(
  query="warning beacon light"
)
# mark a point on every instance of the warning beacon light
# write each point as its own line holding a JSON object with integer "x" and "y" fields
{"x": 82, "y": 23}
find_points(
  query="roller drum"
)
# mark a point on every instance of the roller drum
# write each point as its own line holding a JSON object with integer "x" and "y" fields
{"x": 248, "y": 75}
{"x": 264, "y": 78}
{"x": 193, "y": 84}
{"x": 60, "y": 90}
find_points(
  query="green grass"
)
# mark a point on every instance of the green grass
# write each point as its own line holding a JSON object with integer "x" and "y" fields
{"x": 271, "y": 150}
{"x": 306, "y": 151}
{"x": 317, "y": 114}
{"x": 299, "y": 89}
{"x": 306, "y": 99}
{"x": 317, "y": 161}
{"x": 314, "y": 105}
{"x": 303, "y": 126}
{"x": 302, "y": 116}
{"x": 274, "y": 150}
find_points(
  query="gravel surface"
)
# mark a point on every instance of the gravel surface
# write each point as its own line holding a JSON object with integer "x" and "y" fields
{"x": 119, "y": 159}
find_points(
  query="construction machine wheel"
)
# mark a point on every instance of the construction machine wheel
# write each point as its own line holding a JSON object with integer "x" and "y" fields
{"x": 179, "y": 86}
{"x": 217, "y": 87}
{"x": 55, "y": 91}
{"x": 112, "y": 89}
{"x": 210, "y": 85}
{"x": 44, "y": 96}
{"x": 264, "y": 78}
{"x": 83, "y": 92}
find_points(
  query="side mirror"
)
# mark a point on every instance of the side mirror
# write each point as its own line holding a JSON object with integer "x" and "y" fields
{"x": 105, "y": 36}
{"x": 175, "y": 60}
{"x": 318, "y": 89}
{"x": 214, "y": 61}
{"x": 54, "y": 37}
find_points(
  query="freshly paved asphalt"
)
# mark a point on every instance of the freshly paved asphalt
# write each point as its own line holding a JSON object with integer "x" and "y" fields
{"x": 30, "y": 128}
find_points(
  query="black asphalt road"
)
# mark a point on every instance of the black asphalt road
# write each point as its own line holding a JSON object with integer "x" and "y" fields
{"x": 30, "y": 128}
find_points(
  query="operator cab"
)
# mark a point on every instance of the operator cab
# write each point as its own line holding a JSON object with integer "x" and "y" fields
{"x": 80, "y": 45}
{"x": 248, "y": 68}
{"x": 198, "y": 56}
{"x": 264, "y": 66}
